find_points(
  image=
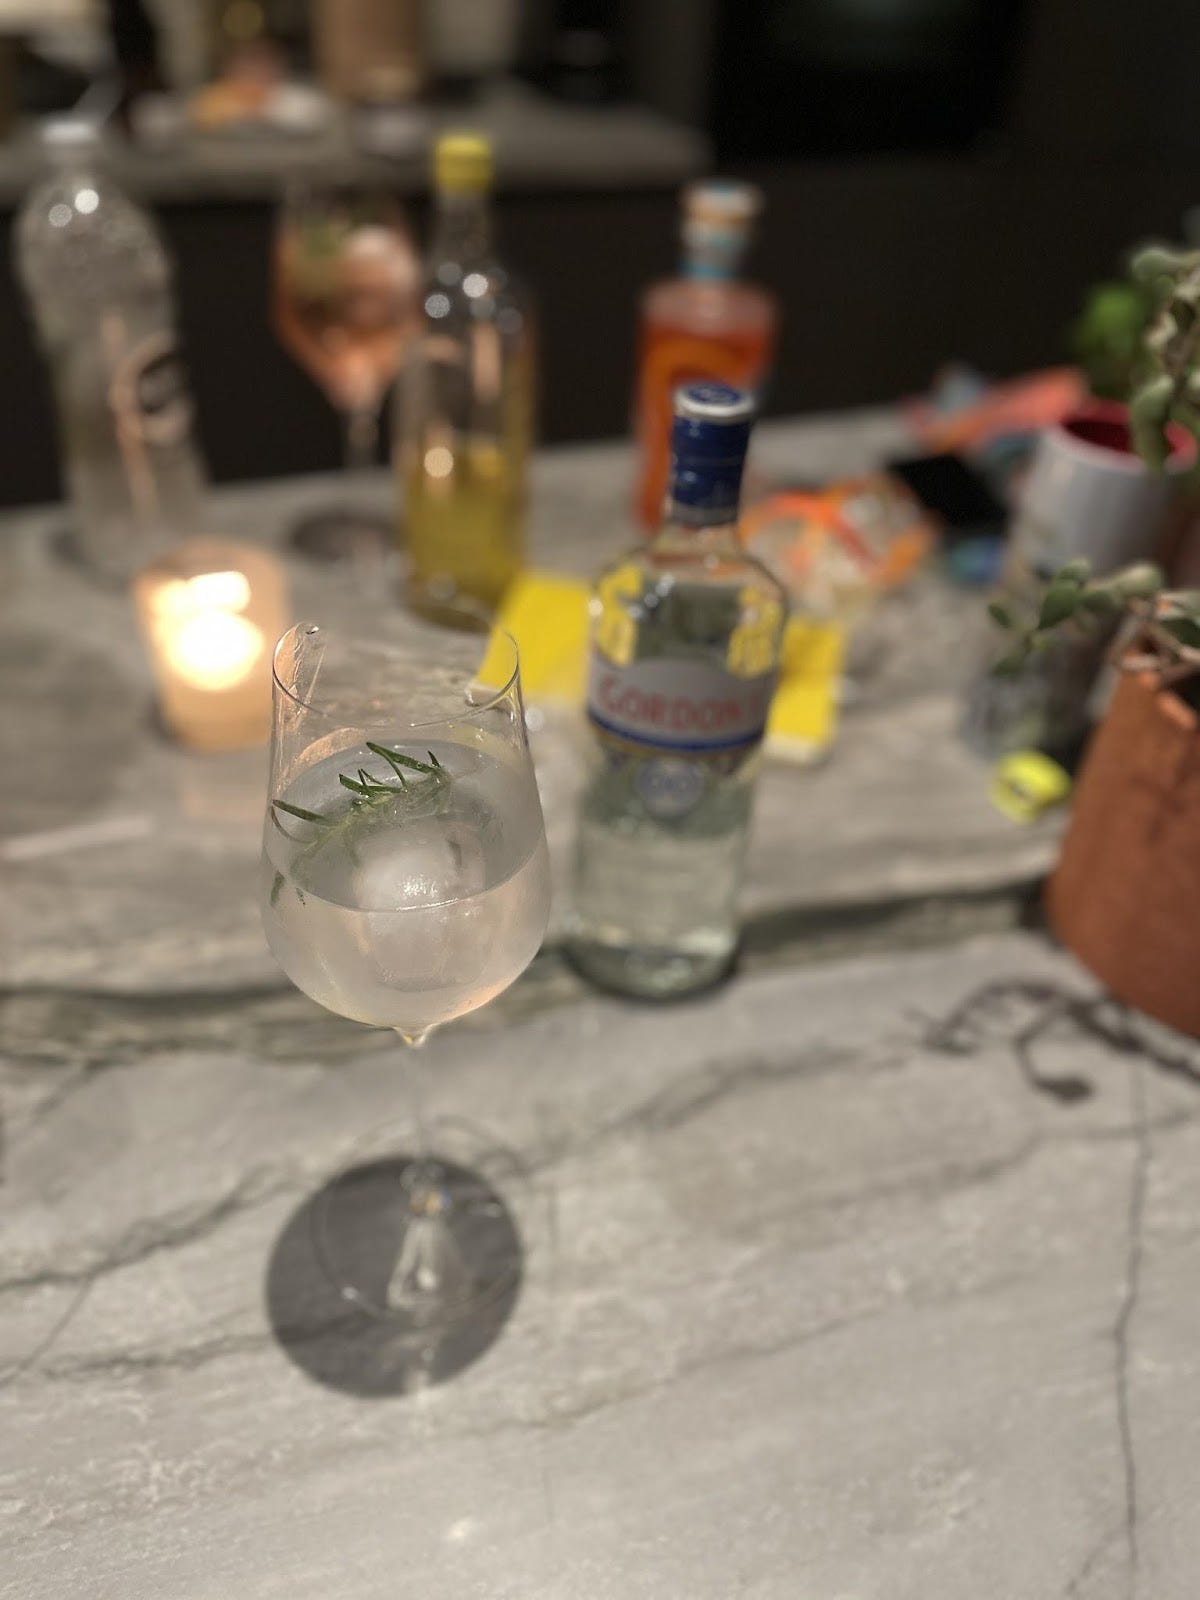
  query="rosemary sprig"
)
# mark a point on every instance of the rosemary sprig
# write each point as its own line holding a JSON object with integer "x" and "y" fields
{"x": 370, "y": 798}
{"x": 397, "y": 760}
{"x": 299, "y": 811}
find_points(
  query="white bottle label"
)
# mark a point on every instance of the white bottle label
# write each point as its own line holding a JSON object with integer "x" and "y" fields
{"x": 674, "y": 704}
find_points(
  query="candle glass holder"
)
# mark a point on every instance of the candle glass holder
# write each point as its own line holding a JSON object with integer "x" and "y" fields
{"x": 209, "y": 612}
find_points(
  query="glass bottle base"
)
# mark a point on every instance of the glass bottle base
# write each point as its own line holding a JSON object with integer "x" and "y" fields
{"x": 343, "y": 534}
{"x": 649, "y": 972}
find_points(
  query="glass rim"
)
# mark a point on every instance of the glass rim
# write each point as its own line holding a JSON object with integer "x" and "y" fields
{"x": 493, "y": 631}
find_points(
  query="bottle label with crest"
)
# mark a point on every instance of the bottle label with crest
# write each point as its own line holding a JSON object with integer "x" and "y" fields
{"x": 676, "y": 726}
{"x": 678, "y": 704}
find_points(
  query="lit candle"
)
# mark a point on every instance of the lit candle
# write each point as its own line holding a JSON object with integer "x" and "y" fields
{"x": 210, "y": 611}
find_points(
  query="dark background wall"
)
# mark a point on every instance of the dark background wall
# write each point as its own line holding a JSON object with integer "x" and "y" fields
{"x": 888, "y": 261}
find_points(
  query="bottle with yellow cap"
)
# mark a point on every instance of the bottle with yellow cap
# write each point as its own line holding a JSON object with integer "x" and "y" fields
{"x": 465, "y": 421}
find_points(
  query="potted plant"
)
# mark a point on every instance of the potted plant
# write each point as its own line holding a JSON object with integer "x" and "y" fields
{"x": 1124, "y": 894}
{"x": 1098, "y": 488}
{"x": 1101, "y": 478}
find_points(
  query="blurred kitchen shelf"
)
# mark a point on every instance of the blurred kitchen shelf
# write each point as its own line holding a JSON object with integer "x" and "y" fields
{"x": 540, "y": 144}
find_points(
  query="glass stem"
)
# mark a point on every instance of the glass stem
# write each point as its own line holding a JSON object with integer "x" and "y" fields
{"x": 362, "y": 438}
{"x": 416, "y": 1096}
{"x": 429, "y": 1271}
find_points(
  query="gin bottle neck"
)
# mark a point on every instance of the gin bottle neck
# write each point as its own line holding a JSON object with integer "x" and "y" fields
{"x": 704, "y": 493}
{"x": 676, "y": 532}
{"x": 713, "y": 255}
{"x": 709, "y": 437}
{"x": 463, "y": 232}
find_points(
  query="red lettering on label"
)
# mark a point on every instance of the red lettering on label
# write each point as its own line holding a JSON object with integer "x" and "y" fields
{"x": 650, "y": 711}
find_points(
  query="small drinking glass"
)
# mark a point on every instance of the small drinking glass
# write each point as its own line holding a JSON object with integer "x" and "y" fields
{"x": 346, "y": 283}
{"x": 405, "y": 883}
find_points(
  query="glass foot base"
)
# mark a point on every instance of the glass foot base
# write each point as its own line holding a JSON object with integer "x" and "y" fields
{"x": 426, "y": 1244}
{"x": 343, "y": 534}
{"x": 447, "y": 606}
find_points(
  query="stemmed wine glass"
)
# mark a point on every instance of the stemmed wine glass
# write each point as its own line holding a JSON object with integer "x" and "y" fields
{"x": 405, "y": 882}
{"x": 346, "y": 280}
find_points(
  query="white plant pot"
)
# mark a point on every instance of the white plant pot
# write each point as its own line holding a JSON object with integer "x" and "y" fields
{"x": 1090, "y": 494}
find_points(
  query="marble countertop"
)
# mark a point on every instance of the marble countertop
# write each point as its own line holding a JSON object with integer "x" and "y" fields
{"x": 898, "y": 821}
{"x": 870, "y": 1275}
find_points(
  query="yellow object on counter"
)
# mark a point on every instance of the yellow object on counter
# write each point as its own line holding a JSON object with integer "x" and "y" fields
{"x": 547, "y": 614}
{"x": 1027, "y": 783}
{"x": 803, "y": 716}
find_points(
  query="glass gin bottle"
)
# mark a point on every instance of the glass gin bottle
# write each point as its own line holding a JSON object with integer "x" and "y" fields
{"x": 467, "y": 401}
{"x": 685, "y": 650}
{"x": 98, "y": 279}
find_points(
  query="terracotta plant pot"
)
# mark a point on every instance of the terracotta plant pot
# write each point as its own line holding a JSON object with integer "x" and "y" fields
{"x": 1126, "y": 892}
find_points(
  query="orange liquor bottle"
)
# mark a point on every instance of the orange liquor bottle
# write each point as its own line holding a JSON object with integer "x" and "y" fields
{"x": 704, "y": 324}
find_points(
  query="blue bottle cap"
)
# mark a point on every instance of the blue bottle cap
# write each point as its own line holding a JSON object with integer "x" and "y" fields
{"x": 708, "y": 451}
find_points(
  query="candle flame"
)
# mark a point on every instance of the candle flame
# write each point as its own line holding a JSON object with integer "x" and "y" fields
{"x": 207, "y": 591}
{"x": 214, "y": 649}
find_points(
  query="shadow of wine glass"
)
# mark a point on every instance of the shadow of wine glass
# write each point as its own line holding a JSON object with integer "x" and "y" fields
{"x": 342, "y": 1347}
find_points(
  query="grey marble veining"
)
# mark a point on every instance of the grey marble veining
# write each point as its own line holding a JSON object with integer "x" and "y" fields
{"x": 874, "y": 1280}
{"x": 870, "y": 1277}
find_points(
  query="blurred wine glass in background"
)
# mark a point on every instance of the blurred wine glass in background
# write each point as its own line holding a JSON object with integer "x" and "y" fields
{"x": 345, "y": 289}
